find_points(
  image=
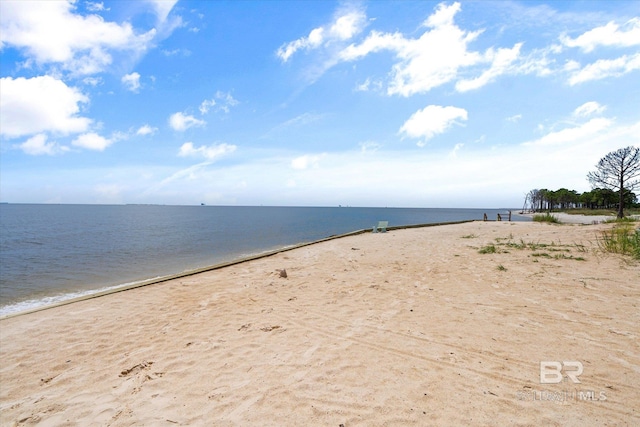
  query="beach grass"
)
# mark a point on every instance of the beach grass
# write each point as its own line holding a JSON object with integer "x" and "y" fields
{"x": 621, "y": 239}
{"x": 488, "y": 249}
{"x": 546, "y": 218}
{"x": 539, "y": 250}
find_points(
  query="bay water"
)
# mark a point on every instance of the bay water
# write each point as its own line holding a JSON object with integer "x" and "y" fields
{"x": 49, "y": 253}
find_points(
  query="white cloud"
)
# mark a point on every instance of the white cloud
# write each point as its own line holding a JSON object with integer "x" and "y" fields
{"x": 51, "y": 33}
{"x": 501, "y": 60}
{"x": 40, "y": 104}
{"x": 589, "y": 108}
{"x": 131, "y": 81}
{"x": 206, "y": 105}
{"x": 431, "y": 121}
{"x": 223, "y": 101}
{"x": 346, "y": 24}
{"x": 436, "y": 57}
{"x": 571, "y": 65}
{"x": 92, "y": 141}
{"x": 574, "y": 134}
{"x": 364, "y": 86}
{"x": 227, "y": 100}
{"x": 515, "y": 118}
{"x": 307, "y": 161}
{"x": 92, "y": 81}
{"x": 209, "y": 152}
{"x": 427, "y": 62}
{"x": 96, "y": 7}
{"x": 37, "y": 145}
{"x": 162, "y": 8}
{"x": 375, "y": 42}
{"x": 145, "y": 130}
{"x": 181, "y": 122}
{"x": 604, "y": 68}
{"x": 608, "y": 35}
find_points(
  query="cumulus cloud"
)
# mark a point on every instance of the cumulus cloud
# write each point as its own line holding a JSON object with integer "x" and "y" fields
{"x": 431, "y": 121}
{"x": 436, "y": 57}
{"x": 588, "y": 109}
{"x": 181, "y": 122}
{"x": 610, "y": 34}
{"x": 92, "y": 141}
{"x": 209, "y": 152}
{"x": 51, "y": 32}
{"x": 40, "y": 104}
{"x": 145, "y": 130}
{"x": 346, "y": 23}
{"x": 131, "y": 81}
{"x": 604, "y": 68}
{"x": 428, "y": 61}
{"x": 37, "y": 145}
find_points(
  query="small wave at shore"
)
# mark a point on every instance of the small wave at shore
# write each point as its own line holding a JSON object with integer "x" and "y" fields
{"x": 38, "y": 303}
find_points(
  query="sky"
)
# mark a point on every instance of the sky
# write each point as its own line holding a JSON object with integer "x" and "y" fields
{"x": 312, "y": 103}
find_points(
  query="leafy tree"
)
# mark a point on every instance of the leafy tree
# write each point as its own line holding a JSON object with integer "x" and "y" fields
{"x": 618, "y": 171}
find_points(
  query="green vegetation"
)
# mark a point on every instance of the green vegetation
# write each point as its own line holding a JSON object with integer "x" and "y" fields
{"x": 541, "y": 254}
{"x": 546, "y": 218}
{"x": 626, "y": 219}
{"x": 621, "y": 239}
{"x": 501, "y": 268}
{"x": 489, "y": 249}
{"x": 539, "y": 250}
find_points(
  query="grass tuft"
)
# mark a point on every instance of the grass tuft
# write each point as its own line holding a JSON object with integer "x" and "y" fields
{"x": 546, "y": 218}
{"x": 489, "y": 249}
{"x": 621, "y": 239}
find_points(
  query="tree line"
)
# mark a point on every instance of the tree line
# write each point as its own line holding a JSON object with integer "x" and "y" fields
{"x": 541, "y": 200}
{"x": 616, "y": 176}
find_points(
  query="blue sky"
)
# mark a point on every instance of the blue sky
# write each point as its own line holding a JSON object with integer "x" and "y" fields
{"x": 407, "y": 103}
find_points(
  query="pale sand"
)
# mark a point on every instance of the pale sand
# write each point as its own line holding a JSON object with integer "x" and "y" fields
{"x": 409, "y": 327}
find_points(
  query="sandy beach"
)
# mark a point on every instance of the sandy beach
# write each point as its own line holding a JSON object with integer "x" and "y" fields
{"x": 409, "y": 327}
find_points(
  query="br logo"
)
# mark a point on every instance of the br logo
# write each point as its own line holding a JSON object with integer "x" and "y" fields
{"x": 551, "y": 372}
